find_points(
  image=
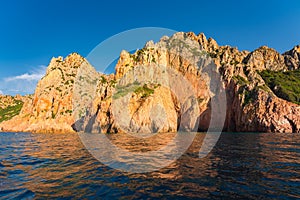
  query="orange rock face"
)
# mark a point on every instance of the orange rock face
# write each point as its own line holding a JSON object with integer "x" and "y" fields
{"x": 153, "y": 107}
{"x": 50, "y": 109}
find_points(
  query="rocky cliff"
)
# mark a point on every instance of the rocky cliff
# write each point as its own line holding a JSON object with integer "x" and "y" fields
{"x": 50, "y": 109}
{"x": 252, "y": 105}
{"x": 11, "y": 106}
{"x": 72, "y": 96}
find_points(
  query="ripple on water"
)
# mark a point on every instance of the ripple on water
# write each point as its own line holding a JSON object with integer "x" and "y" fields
{"x": 245, "y": 166}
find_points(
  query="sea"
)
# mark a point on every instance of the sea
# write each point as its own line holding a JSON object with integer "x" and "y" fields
{"x": 239, "y": 166}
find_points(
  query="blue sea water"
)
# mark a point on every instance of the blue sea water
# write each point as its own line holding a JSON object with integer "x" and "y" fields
{"x": 241, "y": 166}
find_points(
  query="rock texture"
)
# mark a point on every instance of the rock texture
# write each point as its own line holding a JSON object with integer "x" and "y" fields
{"x": 292, "y": 58}
{"x": 11, "y": 106}
{"x": 7, "y": 100}
{"x": 157, "y": 102}
{"x": 251, "y": 105}
{"x": 74, "y": 97}
{"x": 51, "y": 108}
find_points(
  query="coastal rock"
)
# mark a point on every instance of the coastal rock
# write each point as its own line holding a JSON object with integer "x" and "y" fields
{"x": 51, "y": 108}
{"x": 141, "y": 98}
{"x": 292, "y": 58}
{"x": 264, "y": 112}
{"x": 265, "y": 58}
{"x": 7, "y": 100}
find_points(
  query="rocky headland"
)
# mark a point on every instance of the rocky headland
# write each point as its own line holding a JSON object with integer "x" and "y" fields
{"x": 262, "y": 92}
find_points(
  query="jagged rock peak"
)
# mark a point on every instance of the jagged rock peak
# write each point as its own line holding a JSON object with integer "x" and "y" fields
{"x": 150, "y": 44}
{"x": 292, "y": 58}
{"x": 265, "y": 58}
{"x": 294, "y": 53}
{"x": 72, "y": 61}
{"x": 208, "y": 44}
{"x": 72, "y": 58}
{"x": 296, "y": 49}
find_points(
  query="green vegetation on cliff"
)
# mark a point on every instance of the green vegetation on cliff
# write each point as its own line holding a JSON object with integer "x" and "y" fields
{"x": 144, "y": 91}
{"x": 10, "y": 111}
{"x": 240, "y": 80}
{"x": 285, "y": 85}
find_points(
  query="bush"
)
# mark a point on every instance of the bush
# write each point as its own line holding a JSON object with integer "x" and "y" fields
{"x": 284, "y": 84}
{"x": 103, "y": 80}
{"x": 240, "y": 80}
{"x": 145, "y": 91}
{"x": 10, "y": 111}
{"x": 250, "y": 96}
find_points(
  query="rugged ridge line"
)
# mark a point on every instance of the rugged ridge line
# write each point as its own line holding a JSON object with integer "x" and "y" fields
{"x": 251, "y": 103}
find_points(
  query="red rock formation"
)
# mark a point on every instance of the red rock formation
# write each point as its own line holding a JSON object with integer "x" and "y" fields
{"x": 251, "y": 105}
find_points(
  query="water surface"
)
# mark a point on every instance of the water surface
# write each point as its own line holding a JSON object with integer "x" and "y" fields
{"x": 242, "y": 165}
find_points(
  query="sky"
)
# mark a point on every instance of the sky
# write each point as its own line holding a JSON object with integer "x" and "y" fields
{"x": 34, "y": 31}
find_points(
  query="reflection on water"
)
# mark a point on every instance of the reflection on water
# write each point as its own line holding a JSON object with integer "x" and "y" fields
{"x": 245, "y": 166}
{"x": 145, "y": 155}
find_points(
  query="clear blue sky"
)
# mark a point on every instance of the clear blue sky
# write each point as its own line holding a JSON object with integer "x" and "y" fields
{"x": 33, "y": 31}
